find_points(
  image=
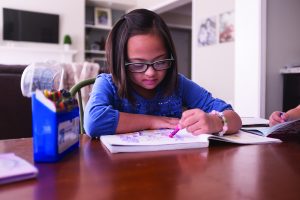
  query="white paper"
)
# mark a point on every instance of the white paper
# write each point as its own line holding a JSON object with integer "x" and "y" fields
{"x": 254, "y": 121}
{"x": 14, "y": 168}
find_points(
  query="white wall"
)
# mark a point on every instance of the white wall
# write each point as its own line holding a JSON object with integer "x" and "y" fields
{"x": 213, "y": 66}
{"x": 283, "y": 46}
{"x": 250, "y": 58}
{"x": 71, "y": 21}
{"x": 160, "y": 6}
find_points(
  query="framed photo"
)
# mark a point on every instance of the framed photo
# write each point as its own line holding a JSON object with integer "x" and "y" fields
{"x": 226, "y": 27}
{"x": 207, "y": 32}
{"x": 103, "y": 17}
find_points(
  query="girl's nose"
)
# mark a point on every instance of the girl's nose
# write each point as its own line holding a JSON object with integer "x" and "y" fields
{"x": 150, "y": 71}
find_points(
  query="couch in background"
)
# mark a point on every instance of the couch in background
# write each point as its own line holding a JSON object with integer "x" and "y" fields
{"x": 15, "y": 109}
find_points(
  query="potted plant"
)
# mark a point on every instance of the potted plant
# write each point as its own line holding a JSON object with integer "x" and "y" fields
{"x": 67, "y": 42}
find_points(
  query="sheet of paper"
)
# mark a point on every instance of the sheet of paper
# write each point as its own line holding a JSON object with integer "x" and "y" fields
{"x": 14, "y": 168}
{"x": 243, "y": 137}
{"x": 254, "y": 121}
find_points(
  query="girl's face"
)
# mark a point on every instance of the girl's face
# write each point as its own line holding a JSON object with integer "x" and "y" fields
{"x": 146, "y": 48}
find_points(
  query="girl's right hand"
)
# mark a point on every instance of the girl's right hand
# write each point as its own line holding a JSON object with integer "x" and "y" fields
{"x": 277, "y": 117}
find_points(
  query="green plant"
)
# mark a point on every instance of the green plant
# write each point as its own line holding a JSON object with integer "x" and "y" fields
{"x": 67, "y": 39}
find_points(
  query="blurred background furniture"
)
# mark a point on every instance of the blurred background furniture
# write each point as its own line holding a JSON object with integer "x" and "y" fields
{"x": 15, "y": 109}
{"x": 291, "y": 86}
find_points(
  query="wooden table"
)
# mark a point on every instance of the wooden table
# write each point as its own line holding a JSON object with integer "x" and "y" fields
{"x": 222, "y": 171}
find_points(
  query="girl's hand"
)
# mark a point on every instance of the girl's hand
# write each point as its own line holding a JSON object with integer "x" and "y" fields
{"x": 197, "y": 122}
{"x": 278, "y": 117}
{"x": 158, "y": 122}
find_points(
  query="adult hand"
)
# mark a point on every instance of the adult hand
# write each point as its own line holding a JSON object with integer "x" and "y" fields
{"x": 277, "y": 117}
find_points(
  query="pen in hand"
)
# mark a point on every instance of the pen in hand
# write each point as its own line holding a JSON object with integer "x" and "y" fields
{"x": 280, "y": 115}
{"x": 173, "y": 133}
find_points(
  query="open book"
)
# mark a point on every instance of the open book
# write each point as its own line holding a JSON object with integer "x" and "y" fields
{"x": 288, "y": 127}
{"x": 158, "y": 140}
{"x": 14, "y": 168}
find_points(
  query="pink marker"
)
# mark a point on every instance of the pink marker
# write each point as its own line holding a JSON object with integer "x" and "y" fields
{"x": 171, "y": 135}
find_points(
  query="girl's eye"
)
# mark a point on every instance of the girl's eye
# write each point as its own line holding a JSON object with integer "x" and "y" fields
{"x": 160, "y": 63}
{"x": 137, "y": 65}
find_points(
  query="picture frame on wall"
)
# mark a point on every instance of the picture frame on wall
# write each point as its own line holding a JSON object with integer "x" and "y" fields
{"x": 103, "y": 17}
{"x": 207, "y": 32}
{"x": 226, "y": 27}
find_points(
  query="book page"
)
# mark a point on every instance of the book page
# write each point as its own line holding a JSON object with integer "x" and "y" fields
{"x": 243, "y": 137}
{"x": 261, "y": 131}
{"x": 286, "y": 127}
{"x": 153, "y": 137}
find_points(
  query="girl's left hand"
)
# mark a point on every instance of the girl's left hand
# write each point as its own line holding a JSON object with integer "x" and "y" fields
{"x": 198, "y": 122}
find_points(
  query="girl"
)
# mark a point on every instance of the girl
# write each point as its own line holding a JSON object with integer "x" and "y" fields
{"x": 144, "y": 89}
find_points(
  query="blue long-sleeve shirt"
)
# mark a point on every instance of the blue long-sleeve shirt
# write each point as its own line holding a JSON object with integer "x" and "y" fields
{"x": 101, "y": 113}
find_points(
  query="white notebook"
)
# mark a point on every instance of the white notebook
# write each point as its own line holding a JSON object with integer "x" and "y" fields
{"x": 152, "y": 140}
{"x": 158, "y": 140}
{"x": 13, "y": 168}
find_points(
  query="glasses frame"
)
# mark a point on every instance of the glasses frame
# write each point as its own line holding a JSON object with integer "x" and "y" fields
{"x": 148, "y": 64}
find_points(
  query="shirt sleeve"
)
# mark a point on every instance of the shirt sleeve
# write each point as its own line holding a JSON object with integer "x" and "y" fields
{"x": 194, "y": 96}
{"x": 99, "y": 116}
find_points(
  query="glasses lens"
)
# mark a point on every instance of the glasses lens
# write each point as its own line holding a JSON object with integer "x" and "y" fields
{"x": 162, "y": 64}
{"x": 137, "y": 67}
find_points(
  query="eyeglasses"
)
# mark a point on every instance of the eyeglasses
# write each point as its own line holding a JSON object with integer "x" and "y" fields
{"x": 139, "y": 67}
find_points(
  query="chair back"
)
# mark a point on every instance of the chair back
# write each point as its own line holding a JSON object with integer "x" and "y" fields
{"x": 76, "y": 89}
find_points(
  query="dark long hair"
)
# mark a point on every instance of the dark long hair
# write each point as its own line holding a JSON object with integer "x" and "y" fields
{"x": 137, "y": 22}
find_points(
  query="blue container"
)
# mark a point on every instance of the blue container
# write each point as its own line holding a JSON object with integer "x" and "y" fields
{"x": 55, "y": 134}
